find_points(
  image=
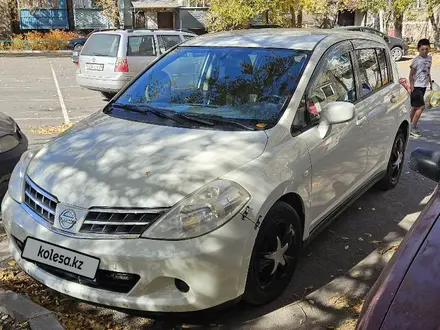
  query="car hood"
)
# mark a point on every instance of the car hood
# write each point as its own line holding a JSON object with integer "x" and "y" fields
{"x": 110, "y": 162}
{"x": 7, "y": 125}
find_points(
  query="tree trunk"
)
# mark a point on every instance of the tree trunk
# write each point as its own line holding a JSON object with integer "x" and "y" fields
{"x": 398, "y": 24}
{"x": 292, "y": 17}
{"x": 299, "y": 18}
{"x": 434, "y": 24}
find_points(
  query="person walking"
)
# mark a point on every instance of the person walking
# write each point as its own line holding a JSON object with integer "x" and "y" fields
{"x": 419, "y": 80}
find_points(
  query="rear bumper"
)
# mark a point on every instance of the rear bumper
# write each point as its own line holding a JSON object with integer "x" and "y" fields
{"x": 102, "y": 84}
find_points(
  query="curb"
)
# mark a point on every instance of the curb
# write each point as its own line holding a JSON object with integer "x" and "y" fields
{"x": 36, "y": 53}
{"x": 22, "y": 309}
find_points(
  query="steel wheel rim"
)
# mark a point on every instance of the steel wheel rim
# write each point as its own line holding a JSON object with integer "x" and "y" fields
{"x": 276, "y": 253}
{"x": 397, "y": 156}
{"x": 396, "y": 53}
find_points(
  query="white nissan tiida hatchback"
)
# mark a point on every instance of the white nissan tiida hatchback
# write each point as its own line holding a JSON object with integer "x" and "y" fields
{"x": 199, "y": 183}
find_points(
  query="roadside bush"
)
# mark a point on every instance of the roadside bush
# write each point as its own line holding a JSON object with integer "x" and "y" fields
{"x": 52, "y": 40}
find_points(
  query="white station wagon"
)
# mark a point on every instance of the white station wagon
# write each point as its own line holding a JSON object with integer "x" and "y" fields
{"x": 200, "y": 182}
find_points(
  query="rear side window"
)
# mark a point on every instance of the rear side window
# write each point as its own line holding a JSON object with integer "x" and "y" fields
{"x": 369, "y": 71}
{"x": 168, "y": 41}
{"x": 141, "y": 46}
{"x": 102, "y": 45}
{"x": 383, "y": 64}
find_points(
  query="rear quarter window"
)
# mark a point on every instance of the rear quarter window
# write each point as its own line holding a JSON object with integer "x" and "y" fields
{"x": 141, "y": 46}
{"x": 102, "y": 45}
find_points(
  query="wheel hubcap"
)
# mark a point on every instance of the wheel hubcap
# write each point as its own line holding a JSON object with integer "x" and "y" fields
{"x": 275, "y": 253}
{"x": 397, "y": 156}
{"x": 396, "y": 54}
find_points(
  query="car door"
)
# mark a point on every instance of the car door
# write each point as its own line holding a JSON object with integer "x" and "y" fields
{"x": 338, "y": 160}
{"x": 141, "y": 50}
{"x": 377, "y": 99}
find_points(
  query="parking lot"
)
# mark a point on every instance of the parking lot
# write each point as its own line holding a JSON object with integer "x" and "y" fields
{"x": 40, "y": 91}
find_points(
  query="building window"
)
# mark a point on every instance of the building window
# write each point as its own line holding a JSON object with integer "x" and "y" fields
{"x": 196, "y": 3}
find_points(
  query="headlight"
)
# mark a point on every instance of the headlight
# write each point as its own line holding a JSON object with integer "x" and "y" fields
{"x": 16, "y": 182}
{"x": 8, "y": 142}
{"x": 201, "y": 212}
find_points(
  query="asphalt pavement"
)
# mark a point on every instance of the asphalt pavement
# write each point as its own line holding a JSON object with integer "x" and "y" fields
{"x": 343, "y": 261}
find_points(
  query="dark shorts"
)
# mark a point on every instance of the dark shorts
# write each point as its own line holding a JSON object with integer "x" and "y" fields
{"x": 418, "y": 97}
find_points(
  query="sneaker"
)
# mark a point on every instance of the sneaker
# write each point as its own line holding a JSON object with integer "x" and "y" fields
{"x": 415, "y": 132}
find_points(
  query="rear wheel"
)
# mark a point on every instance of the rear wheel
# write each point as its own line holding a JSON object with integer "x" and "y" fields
{"x": 107, "y": 96}
{"x": 274, "y": 256}
{"x": 397, "y": 53}
{"x": 395, "y": 163}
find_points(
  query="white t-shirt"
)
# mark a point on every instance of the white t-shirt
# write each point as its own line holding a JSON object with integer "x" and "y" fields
{"x": 422, "y": 65}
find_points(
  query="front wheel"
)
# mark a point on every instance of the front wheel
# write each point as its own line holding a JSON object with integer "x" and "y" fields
{"x": 275, "y": 255}
{"x": 397, "y": 53}
{"x": 395, "y": 163}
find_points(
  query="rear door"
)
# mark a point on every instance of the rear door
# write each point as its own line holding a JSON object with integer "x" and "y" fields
{"x": 99, "y": 54}
{"x": 167, "y": 41}
{"x": 378, "y": 99}
{"x": 141, "y": 50}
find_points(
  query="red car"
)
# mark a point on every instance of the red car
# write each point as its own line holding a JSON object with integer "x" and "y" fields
{"x": 407, "y": 293}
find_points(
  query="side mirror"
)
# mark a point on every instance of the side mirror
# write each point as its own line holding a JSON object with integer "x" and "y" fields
{"x": 335, "y": 113}
{"x": 426, "y": 162}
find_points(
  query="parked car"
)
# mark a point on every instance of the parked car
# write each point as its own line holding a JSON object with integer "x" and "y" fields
{"x": 109, "y": 60}
{"x": 13, "y": 143}
{"x": 398, "y": 46}
{"x": 77, "y": 44}
{"x": 407, "y": 293}
{"x": 199, "y": 183}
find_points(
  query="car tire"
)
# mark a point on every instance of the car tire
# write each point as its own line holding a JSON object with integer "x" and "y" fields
{"x": 395, "y": 163}
{"x": 267, "y": 275}
{"x": 107, "y": 96}
{"x": 397, "y": 53}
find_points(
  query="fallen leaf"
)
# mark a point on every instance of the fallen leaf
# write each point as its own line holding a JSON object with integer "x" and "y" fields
{"x": 344, "y": 238}
{"x": 360, "y": 208}
{"x": 346, "y": 247}
{"x": 360, "y": 239}
{"x": 368, "y": 234}
{"x": 373, "y": 209}
{"x": 375, "y": 242}
{"x": 331, "y": 231}
{"x": 12, "y": 262}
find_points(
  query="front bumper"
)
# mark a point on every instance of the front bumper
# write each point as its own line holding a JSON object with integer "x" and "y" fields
{"x": 214, "y": 266}
{"x": 100, "y": 84}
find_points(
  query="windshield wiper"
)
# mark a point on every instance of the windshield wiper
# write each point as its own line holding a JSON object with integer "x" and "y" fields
{"x": 222, "y": 120}
{"x": 194, "y": 118}
{"x": 144, "y": 109}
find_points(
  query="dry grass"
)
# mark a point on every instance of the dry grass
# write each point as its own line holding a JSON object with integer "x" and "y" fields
{"x": 51, "y": 129}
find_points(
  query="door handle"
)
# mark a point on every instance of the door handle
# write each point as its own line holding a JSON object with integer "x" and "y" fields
{"x": 393, "y": 99}
{"x": 361, "y": 121}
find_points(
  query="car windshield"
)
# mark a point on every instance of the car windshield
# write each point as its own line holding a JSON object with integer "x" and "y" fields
{"x": 101, "y": 45}
{"x": 247, "y": 85}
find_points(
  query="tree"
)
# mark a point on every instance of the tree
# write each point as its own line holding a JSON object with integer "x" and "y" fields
{"x": 433, "y": 7}
{"x": 235, "y": 14}
{"x": 110, "y": 10}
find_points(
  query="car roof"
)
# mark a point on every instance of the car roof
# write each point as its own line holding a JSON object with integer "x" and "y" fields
{"x": 146, "y": 31}
{"x": 301, "y": 39}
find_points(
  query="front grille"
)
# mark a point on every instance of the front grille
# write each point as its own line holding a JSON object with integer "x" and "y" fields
{"x": 105, "y": 279}
{"x": 40, "y": 201}
{"x": 119, "y": 222}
